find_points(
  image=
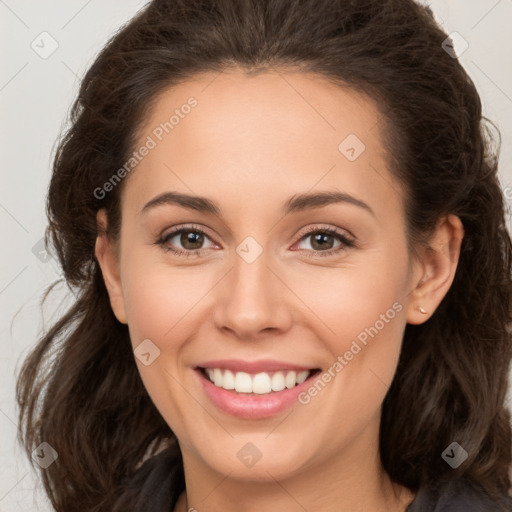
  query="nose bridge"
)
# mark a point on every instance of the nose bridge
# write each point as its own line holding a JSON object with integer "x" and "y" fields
{"x": 251, "y": 277}
{"x": 252, "y": 298}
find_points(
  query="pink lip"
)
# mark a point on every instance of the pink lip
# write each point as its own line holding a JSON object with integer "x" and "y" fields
{"x": 264, "y": 365}
{"x": 251, "y": 406}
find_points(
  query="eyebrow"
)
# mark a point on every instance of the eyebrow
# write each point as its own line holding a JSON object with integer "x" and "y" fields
{"x": 296, "y": 203}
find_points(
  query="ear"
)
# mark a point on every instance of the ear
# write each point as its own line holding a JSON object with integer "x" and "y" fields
{"x": 107, "y": 255}
{"x": 435, "y": 269}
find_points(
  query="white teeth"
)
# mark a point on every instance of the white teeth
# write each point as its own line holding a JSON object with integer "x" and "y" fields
{"x": 291, "y": 379}
{"x": 228, "y": 380}
{"x": 302, "y": 376}
{"x": 243, "y": 382}
{"x": 278, "y": 381}
{"x": 261, "y": 383}
{"x": 217, "y": 377}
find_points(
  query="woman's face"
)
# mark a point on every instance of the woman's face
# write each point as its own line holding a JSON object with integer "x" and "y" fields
{"x": 301, "y": 264}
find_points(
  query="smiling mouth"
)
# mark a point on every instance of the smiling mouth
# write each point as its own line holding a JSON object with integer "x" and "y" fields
{"x": 261, "y": 383}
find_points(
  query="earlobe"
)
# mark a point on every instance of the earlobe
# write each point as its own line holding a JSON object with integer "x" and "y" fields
{"x": 436, "y": 269}
{"x": 108, "y": 261}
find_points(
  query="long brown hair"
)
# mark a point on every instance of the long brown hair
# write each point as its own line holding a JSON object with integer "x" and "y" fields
{"x": 79, "y": 390}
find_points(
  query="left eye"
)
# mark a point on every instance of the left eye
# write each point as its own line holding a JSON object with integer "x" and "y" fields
{"x": 321, "y": 240}
{"x": 190, "y": 239}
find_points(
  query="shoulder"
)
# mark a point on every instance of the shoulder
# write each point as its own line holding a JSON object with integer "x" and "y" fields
{"x": 156, "y": 485}
{"x": 459, "y": 496}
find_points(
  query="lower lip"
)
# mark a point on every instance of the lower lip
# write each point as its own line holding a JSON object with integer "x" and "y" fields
{"x": 251, "y": 405}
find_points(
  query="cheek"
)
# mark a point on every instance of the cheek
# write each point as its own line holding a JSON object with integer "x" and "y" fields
{"x": 356, "y": 302}
{"x": 361, "y": 309}
{"x": 160, "y": 304}
{"x": 159, "y": 299}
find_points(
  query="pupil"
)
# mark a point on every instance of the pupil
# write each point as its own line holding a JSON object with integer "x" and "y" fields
{"x": 320, "y": 238}
{"x": 191, "y": 238}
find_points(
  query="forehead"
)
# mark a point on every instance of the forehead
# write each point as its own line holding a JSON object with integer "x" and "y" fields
{"x": 290, "y": 130}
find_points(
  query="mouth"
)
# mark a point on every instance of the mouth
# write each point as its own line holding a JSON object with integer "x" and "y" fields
{"x": 253, "y": 394}
{"x": 261, "y": 383}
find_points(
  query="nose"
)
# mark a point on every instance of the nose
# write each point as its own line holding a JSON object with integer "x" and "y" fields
{"x": 252, "y": 300}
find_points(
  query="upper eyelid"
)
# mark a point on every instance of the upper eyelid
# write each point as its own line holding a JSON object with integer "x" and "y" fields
{"x": 174, "y": 231}
{"x": 333, "y": 230}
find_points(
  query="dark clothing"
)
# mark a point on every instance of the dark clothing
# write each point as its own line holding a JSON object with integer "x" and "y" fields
{"x": 460, "y": 496}
{"x": 162, "y": 481}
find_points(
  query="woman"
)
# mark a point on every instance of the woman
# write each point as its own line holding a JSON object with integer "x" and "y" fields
{"x": 284, "y": 228}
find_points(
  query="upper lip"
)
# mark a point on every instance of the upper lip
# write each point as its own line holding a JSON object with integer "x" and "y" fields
{"x": 263, "y": 365}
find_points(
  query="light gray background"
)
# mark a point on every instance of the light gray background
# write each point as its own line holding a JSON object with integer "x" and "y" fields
{"x": 35, "y": 95}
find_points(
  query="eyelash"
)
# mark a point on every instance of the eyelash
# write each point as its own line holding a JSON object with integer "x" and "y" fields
{"x": 346, "y": 243}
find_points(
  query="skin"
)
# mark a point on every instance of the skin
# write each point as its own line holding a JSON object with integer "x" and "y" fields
{"x": 250, "y": 144}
